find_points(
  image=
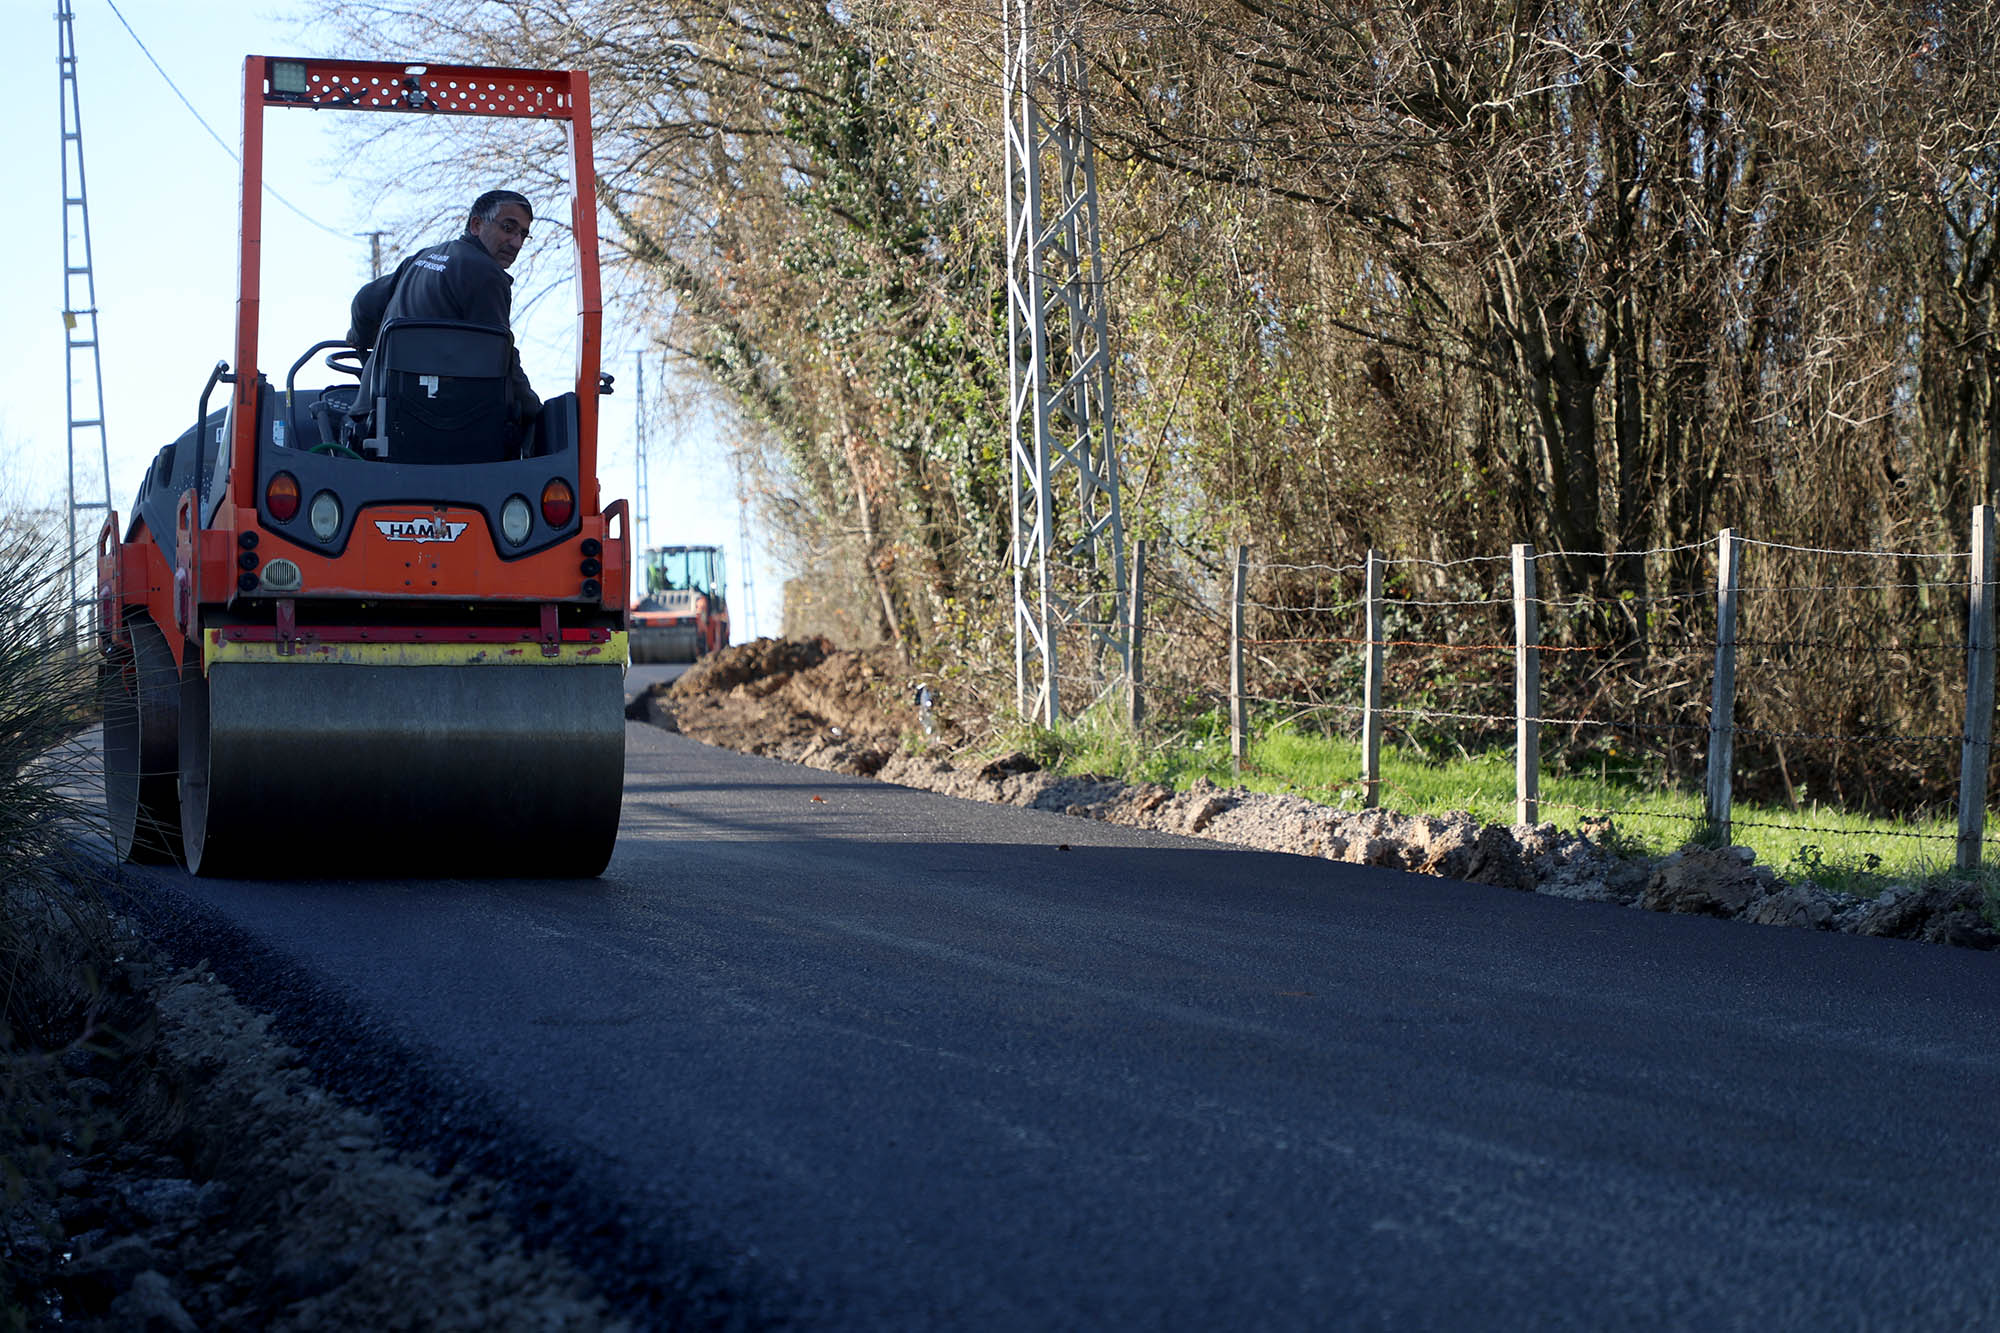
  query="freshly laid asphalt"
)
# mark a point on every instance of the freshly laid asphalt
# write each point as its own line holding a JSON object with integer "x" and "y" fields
{"x": 823, "y": 1052}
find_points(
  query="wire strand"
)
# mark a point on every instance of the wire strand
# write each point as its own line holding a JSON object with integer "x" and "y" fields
{"x": 1736, "y": 823}
{"x": 224, "y": 144}
{"x": 1852, "y": 587}
{"x": 1627, "y": 813}
{"x": 1894, "y": 555}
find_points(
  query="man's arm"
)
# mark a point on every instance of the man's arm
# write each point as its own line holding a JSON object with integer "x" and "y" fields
{"x": 481, "y": 292}
{"x": 525, "y": 398}
{"x": 370, "y": 303}
{"x": 486, "y": 295}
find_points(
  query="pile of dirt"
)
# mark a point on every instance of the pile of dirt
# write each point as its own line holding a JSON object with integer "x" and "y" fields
{"x": 768, "y": 662}
{"x": 858, "y": 713}
{"x": 800, "y": 700}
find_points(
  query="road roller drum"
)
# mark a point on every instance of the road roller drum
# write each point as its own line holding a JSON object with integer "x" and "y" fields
{"x": 675, "y": 644}
{"x": 449, "y": 769}
{"x": 142, "y": 692}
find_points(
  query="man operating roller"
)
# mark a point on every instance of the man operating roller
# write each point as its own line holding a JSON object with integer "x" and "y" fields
{"x": 465, "y": 280}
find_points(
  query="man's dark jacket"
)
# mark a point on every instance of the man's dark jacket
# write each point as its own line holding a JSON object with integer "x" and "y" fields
{"x": 459, "y": 280}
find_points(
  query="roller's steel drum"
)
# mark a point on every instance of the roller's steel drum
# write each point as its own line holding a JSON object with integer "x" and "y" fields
{"x": 312, "y": 769}
{"x": 666, "y": 644}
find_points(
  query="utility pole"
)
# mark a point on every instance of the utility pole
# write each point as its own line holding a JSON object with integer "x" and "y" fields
{"x": 89, "y": 451}
{"x": 1069, "y": 540}
{"x": 374, "y": 251}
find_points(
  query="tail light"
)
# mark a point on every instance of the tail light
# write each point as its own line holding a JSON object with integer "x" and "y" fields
{"x": 281, "y": 497}
{"x": 558, "y": 503}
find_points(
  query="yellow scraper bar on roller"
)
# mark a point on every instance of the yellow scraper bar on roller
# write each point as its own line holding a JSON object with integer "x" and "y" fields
{"x": 612, "y": 652}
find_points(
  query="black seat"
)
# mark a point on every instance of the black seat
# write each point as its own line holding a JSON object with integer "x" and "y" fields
{"x": 439, "y": 393}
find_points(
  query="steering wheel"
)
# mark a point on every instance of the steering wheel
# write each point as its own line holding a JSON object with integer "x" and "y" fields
{"x": 336, "y": 360}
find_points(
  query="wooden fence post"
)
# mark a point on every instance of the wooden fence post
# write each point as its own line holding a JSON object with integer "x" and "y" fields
{"x": 1135, "y": 640}
{"x": 1979, "y": 661}
{"x": 1236, "y": 718}
{"x": 1371, "y": 691}
{"x": 1722, "y": 703}
{"x": 1527, "y": 688}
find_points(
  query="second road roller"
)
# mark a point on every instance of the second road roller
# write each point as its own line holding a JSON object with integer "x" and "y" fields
{"x": 377, "y": 626}
{"x": 683, "y": 610}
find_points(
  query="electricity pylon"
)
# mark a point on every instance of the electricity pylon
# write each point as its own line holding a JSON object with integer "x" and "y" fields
{"x": 644, "y": 480}
{"x": 1068, "y": 545}
{"x": 88, "y": 449}
{"x": 746, "y": 557}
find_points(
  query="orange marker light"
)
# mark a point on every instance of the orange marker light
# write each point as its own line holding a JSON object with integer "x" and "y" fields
{"x": 281, "y": 497}
{"x": 558, "y": 503}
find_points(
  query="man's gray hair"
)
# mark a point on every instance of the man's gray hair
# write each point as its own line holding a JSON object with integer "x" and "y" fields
{"x": 487, "y": 206}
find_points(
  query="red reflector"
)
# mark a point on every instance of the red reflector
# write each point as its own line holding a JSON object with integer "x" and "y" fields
{"x": 557, "y": 503}
{"x": 281, "y": 497}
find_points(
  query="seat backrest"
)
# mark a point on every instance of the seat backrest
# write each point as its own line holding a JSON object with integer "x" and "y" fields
{"x": 446, "y": 389}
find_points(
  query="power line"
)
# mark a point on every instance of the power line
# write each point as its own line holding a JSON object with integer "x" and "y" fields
{"x": 210, "y": 128}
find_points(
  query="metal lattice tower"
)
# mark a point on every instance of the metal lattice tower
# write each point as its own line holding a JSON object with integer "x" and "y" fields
{"x": 89, "y": 451}
{"x": 745, "y": 556}
{"x": 1069, "y": 540}
{"x": 644, "y": 479}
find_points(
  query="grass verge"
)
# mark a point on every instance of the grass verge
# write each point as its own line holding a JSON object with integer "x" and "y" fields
{"x": 1839, "y": 850}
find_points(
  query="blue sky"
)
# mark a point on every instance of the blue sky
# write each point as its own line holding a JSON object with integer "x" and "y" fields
{"x": 163, "y": 232}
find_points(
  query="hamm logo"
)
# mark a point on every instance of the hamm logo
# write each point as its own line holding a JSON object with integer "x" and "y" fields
{"x": 419, "y": 529}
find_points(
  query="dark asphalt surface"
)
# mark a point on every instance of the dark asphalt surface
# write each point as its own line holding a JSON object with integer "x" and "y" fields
{"x": 641, "y": 675}
{"x": 838, "y": 1054}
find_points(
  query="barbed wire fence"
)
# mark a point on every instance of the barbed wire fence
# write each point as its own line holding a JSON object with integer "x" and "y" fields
{"x": 1871, "y": 670}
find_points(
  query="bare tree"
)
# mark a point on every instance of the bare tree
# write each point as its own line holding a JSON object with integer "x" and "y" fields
{"x": 1598, "y": 274}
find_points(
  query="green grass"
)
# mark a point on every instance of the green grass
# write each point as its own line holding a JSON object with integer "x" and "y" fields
{"x": 1837, "y": 849}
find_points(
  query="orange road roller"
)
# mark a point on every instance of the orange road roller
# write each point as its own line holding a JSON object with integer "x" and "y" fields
{"x": 374, "y": 637}
{"x": 684, "y": 611}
